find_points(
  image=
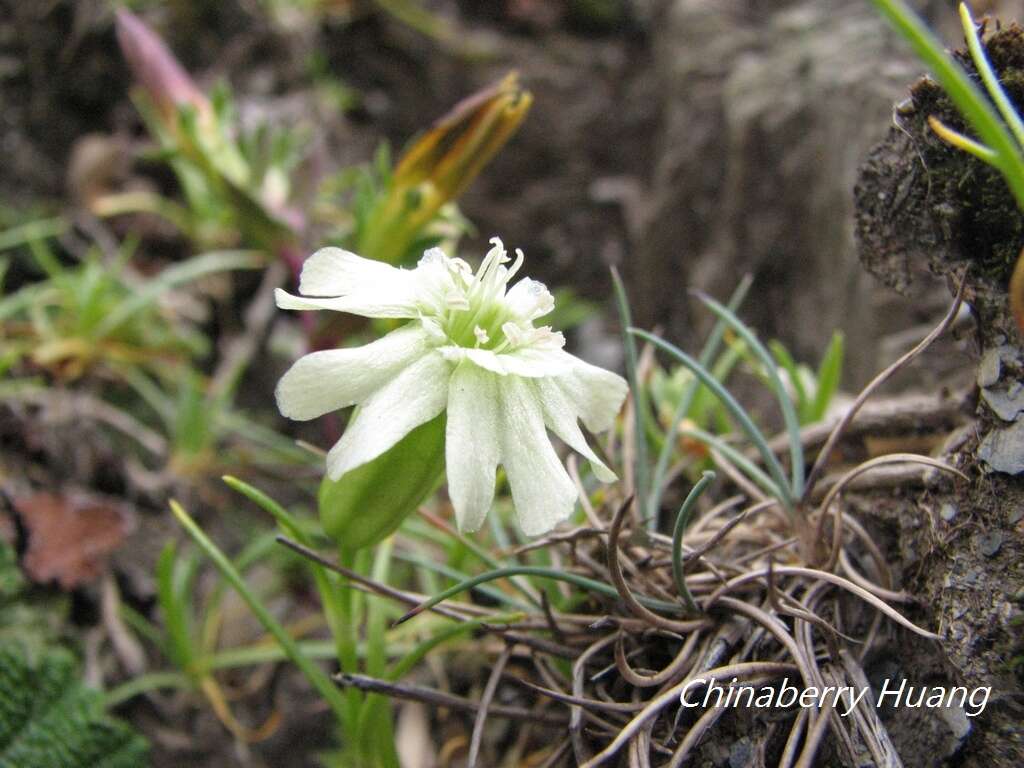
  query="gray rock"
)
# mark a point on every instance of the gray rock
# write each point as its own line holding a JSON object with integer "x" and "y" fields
{"x": 769, "y": 110}
{"x": 1005, "y": 403}
{"x": 1003, "y": 449}
{"x": 989, "y": 368}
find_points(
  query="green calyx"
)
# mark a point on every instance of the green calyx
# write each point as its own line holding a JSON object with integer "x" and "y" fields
{"x": 367, "y": 504}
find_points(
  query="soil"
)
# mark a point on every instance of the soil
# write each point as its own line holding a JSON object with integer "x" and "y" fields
{"x": 922, "y": 204}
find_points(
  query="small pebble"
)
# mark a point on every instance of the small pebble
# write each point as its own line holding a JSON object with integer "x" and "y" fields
{"x": 1003, "y": 449}
{"x": 990, "y": 543}
{"x": 948, "y": 511}
{"x": 989, "y": 368}
{"x": 1005, "y": 404}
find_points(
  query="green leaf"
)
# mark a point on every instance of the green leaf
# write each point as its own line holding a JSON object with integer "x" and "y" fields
{"x": 185, "y": 272}
{"x": 829, "y": 373}
{"x": 367, "y": 504}
{"x": 785, "y": 359}
{"x": 640, "y": 466}
{"x": 796, "y": 454}
{"x": 780, "y": 486}
{"x": 49, "y": 718}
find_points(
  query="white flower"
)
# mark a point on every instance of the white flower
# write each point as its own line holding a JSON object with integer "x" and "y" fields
{"x": 472, "y": 349}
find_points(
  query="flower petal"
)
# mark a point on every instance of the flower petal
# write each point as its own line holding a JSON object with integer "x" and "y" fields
{"x": 331, "y": 379}
{"x": 560, "y": 416}
{"x": 596, "y": 394}
{"x": 542, "y": 492}
{"x": 385, "y": 301}
{"x": 413, "y": 397}
{"x": 337, "y": 272}
{"x": 472, "y": 448}
{"x": 349, "y": 283}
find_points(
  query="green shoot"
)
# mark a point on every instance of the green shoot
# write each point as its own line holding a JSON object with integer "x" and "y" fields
{"x": 636, "y": 387}
{"x": 682, "y": 519}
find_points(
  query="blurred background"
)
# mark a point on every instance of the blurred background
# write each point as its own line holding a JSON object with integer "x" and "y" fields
{"x": 687, "y": 142}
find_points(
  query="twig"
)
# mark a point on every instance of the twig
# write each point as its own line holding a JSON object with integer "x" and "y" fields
{"x": 579, "y": 669}
{"x": 615, "y": 570}
{"x": 789, "y": 752}
{"x": 879, "y": 380}
{"x": 670, "y": 696}
{"x": 71, "y": 407}
{"x": 695, "y": 734}
{"x": 580, "y": 701}
{"x": 839, "y": 581}
{"x": 676, "y": 667}
{"x": 724, "y": 530}
{"x": 442, "y": 699}
{"x": 837, "y": 525}
{"x": 485, "y": 704}
{"x": 373, "y": 586}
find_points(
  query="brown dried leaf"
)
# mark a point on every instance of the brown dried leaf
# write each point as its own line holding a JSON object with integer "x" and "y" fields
{"x": 70, "y": 536}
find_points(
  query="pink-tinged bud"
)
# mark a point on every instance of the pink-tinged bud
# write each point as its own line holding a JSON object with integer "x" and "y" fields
{"x": 156, "y": 69}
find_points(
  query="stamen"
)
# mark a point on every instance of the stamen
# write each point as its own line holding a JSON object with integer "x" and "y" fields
{"x": 513, "y": 333}
{"x": 481, "y": 336}
{"x": 515, "y": 266}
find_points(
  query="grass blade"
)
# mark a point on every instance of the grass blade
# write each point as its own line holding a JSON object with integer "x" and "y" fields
{"x": 640, "y": 467}
{"x": 988, "y": 77}
{"x": 530, "y": 570}
{"x": 796, "y": 450}
{"x": 829, "y": 373}
{"x": 749, "y": 468}
{"x": 782, "y": 491}
{"x": 685, "y": 511}
{"x": 707, "y": 355}
{"x": 316, "y": 676}
{"x": 208, "y": 263}
{"x": 968, "y": 98}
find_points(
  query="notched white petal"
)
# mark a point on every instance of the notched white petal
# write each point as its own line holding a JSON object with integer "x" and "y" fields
{"x": 560, "y": 417}
{"x": 336, "y": 279}
{"x": 337, "y": 272}
{"x": 383, "y": 303}
{"x": 542, "y": 491}
{"x": 413, "y": 397}
{"x": 596, "y": 394}
{"x": 472, "y": 449}
{"x": 325, "y": 381}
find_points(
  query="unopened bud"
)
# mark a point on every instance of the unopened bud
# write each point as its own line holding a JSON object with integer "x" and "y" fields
{"x": 157, "y": 70}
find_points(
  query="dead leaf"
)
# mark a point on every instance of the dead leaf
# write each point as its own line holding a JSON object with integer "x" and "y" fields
{"x": 70, "y": 536}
